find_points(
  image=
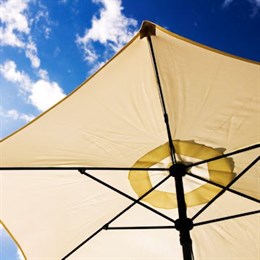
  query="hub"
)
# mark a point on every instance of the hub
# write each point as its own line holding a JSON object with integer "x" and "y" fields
{"x": 184, "y": 224}
{"x": 177, "y": 169}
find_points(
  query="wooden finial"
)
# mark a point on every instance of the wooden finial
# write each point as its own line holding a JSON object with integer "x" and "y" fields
{"x": 147, "y": 29}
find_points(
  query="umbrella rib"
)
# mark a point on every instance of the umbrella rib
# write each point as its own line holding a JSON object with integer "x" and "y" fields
{"x": 226, "y": 188}
{"x": 117, "y": 216}
{"x": 85, "y": 168}
{"x": 226, "y": 218}
{"x": 165, "y": 114}
{"x": 252, "y": 147}
{"x": 140, "y": 227}
{"x": 84, "y": 242}
{"x": 126, "y": 195}
{"x": 93, "y": 168}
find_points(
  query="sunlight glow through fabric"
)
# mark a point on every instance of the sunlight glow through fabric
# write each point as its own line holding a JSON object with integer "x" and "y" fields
{"x": 196, "y": 192}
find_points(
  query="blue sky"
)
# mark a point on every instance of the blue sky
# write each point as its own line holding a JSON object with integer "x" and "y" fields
{"x": 48, "y": 47}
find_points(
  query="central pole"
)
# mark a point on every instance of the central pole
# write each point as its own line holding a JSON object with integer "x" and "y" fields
{"x": 183, "y": 224}
{"x": 177, "y": 170}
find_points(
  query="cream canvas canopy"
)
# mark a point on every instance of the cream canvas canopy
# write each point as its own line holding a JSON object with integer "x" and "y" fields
{"x": 159, "y": 147}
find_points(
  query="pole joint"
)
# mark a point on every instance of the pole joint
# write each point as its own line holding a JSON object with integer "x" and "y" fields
{"x": 184, "y": 224}
{"x": 178, "y": 169}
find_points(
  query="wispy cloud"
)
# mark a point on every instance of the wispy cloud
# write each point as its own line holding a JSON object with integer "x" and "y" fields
{"x": 42, "y": 21}
{"x": 31, "y": 53}
{"x": 227, "y": 3}
{"x": 255, "y": 5}
{"x": 13, "y": 114}
{"x": 9, "y": 72}
{"x": 111, "y": 28}
{"x": 14, "y": 22}
{"x": 19, "y": 255}
{"x": 43, "y": 74}
{"x": 63, "y": 1}
{"x": 15, "y": 27}
{"x": 42, "y": 93}
{"x": 97, "y": 66}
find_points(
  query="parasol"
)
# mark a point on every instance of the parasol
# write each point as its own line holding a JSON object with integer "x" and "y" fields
{"x": 153, "y": 157}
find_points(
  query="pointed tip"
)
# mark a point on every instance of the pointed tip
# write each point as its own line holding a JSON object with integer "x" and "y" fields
{"x": 147, "y": 29}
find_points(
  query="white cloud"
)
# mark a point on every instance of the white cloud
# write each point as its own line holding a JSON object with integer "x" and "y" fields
{"x": 254, "y": 3}
{"x": 15, "y": 23}
{"x": 42, "y": 20}
{"x": 97, "y": 66}
{"x": 13, "y": 114}
{"x": 19, "y": 255}
{"x": 42, "y": 93}
{"x": 43, "y": 74}
{"x": 15, "y": 28}
{"x": 111, "y": 28}
{"x": 26, "y": 117}
{"x": 9, "y": 72}
{"x": 227, "y": 3}
{"x": 19, "y": 25}
{"x": 47, "y": 32}
{"x": 32, "y": 53}
{"x": 57, "y": 51}
{"x": 256, "y": 6}
{"x": 89, "y": 52}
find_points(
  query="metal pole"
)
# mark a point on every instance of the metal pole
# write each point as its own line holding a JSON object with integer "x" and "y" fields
{"x": 183, "y": 224}
{"x": 177, "y": 170}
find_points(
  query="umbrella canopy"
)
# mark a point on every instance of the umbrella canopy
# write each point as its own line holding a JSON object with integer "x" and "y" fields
{"x": 94, "y": 177}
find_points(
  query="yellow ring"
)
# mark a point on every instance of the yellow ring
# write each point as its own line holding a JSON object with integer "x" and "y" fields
{"x": 220, "y": 171}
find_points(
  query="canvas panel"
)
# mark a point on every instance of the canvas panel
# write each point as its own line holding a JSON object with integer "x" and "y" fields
{"x": 68, "y": 207}
{"x": 111, "y": 120}
{"x": 49, "y": 213}
{"x": 230, "y": 239}
{"x": 212, "y": 99}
